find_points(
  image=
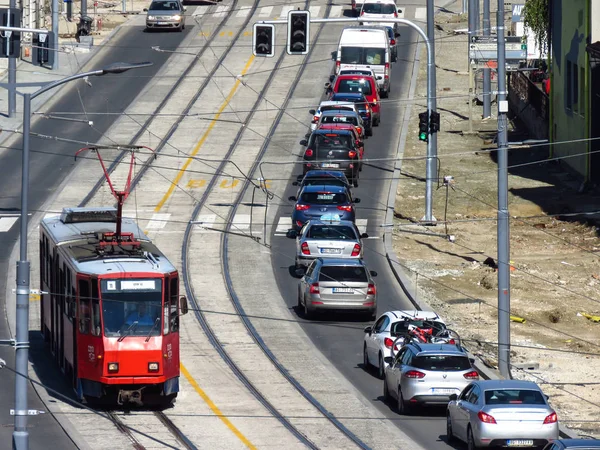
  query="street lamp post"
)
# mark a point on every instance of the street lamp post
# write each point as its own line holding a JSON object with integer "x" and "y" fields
{"x": 20, "y": 433}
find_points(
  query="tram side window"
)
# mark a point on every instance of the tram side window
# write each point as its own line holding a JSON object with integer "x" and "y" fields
{"x": 173, "y": 303}
{"x": 84, "y": 306}
{"x": 166, "y": 309}
{"x": 43, "y": 259}
{"x": 96, "y": 323}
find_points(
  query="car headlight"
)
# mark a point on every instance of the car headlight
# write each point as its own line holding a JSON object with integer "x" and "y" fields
{"x": 151, "y": 18}
{"x": 113, "y": 367}
{"x": 153, "y": 367}
{"x": 176, "y": 17}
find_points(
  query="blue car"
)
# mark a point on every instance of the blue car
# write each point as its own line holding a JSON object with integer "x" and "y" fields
{"x": 323, "y": 202}
{"x": 363, "y": 108}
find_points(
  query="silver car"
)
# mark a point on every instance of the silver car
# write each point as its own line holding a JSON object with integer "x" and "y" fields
{"x": 506, "y": 413}
{"x": 165, "y": 14}
{"x": 337, "y": 284}
{"x": 426, "y": 374}
{"x": 328, "y": 239}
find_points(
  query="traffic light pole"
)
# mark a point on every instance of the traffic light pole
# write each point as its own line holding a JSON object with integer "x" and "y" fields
{"x": 430, "y": 173}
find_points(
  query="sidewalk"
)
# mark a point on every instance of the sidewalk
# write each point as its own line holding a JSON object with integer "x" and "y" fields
{"x": 555, "y": 274}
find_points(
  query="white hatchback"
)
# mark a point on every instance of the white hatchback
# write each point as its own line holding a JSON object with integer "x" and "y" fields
{"x": 379, "y": 9}
{"x": 380, "y": 337}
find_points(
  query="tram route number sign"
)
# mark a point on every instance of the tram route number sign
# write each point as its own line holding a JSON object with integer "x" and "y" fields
{"x": 483, "y": 50}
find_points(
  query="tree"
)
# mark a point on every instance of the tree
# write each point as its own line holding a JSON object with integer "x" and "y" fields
{"x": 536, "y": 15}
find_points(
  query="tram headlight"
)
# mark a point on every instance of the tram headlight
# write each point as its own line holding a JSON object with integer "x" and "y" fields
{"x": 153, "y": 367}
{"x": 113, "y": 367}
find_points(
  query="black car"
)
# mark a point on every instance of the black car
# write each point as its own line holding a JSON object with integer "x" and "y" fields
{"x": 363, "y": 109}
{"x": 329, "y": 149}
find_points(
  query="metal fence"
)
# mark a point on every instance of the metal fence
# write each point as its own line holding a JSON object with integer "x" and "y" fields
{"x": 529, "y": 93}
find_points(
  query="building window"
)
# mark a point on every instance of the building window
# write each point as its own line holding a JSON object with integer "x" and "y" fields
{"x": 575, "y": 88}
{"x": 569, "y": 102}
{"x": 582, "y": 91}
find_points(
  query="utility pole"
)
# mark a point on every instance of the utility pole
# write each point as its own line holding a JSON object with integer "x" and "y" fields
{"x": 487, "y": 73}
{"x": 503, "y": 219}
{"x": 55, "y": 33}
{"x": 12, "y": 67}
{"x": 431, "y": 170}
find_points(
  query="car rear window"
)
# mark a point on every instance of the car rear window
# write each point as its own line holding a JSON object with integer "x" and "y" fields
{"x": 343, "y": 273}
{"x": 447, "y": 363}
{"x": 378, "y": 8}
{"x": 355, "y": 86}
{"x": 340, "y": 119}
{"x": 337, "y": 232}
{"x": 401, "y": 327}
{"x": 349, "y": 107}
{"x": 333, "y": 141}
{"x": 513, "y": 396}
{"x": 323, "y": 198}
{"x": 362, "y": 55}
{"x": 328, "y": 181}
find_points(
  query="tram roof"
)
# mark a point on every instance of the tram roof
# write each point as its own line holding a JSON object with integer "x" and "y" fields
{"x": 76, "y": 231}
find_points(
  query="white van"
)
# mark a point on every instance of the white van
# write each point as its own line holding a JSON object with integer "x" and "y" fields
{"x": 366, "y": 48}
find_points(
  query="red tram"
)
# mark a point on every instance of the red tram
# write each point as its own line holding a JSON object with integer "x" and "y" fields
{"x": 111, "y": 312}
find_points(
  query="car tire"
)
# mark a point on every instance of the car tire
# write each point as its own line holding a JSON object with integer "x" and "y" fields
{"x": 403, "y": 407}
{"x": 369, "y": 132}
{"x": 308, "y": 314}
{"x": 449, "y": 433}
{"x": 386, "y": 392}
{"x": 355, "y": 182}
{"x": 366, "y": 363}
{"x": 470, "y": 440}
{"x": 381, "y": 368}
{"x": 299, "y": 302}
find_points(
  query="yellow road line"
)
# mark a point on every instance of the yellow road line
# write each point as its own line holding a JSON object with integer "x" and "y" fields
{"x": 215, "y": 409}
{"x": 202, "y": 140}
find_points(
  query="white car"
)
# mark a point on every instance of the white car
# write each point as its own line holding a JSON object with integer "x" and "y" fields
{"x": 329, "y": 105}
{"x": 379, "y": 9}
{"x": 380, "y": 337}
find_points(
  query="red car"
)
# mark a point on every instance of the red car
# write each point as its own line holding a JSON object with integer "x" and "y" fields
{"x": 359, "y": 84}
{"x": 353, "y": 129}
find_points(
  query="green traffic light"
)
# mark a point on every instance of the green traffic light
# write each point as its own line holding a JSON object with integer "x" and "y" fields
{"x": 422, "y": 136}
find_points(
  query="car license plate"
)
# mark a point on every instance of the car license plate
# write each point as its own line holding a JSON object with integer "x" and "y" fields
{"x": 332, "y": 165}
{"x": 443, "y": 391}
{"x": 343, "y": 290}
{"x": 331, "y": 250}
{"x": 161, "y": 23}
{"x": 519, "y": 443}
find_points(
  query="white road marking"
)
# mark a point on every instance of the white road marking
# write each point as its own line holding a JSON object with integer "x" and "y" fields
{"x": 265, "y": 11}
{"x": 336, "y": 11}
{"x": 6, "y": 223}
{"x": 243, "y": 12}
{"x": 200, "y": 11}
{"x": 285, "y": 10}
{"x": 158, "y": 221}
{"x": 241, "y": 222}
{"x": 222, "y": 10}
{"x": 421, "y": 13}
{"x": 284, "y": 224}
{"x": 314, "y": 11}
{"x": 362, "y": 225}
{"x": 207, "y": 220}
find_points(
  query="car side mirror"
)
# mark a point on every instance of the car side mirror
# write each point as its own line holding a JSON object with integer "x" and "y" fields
{"x": 292, "y": 234}
{"x": 295, "y": 183}
{"x": 368, "y": 330}
{"x": 388, "y": 360}
{"x": 547, "y": 397}
{"x": 373, "y": 273}
{"x": 327, "y": 85}
{"x": 453, "y": 397}
{"x": 334, "y": 55}
{"x": 364, "y": 236}
{"x": 307, "y": 135}
{"x": 292, "y": 198}
{"x": 183, "y": 305}
{"x": 304, "y": 142}
{"x": 145, "y": 9}
{"x": 311, "y": 111}
{"x": 300, "y": 271}
{"x": 396, "y": 34}
{"x": 331, "y": 77}
{"x": 357, "y": 200}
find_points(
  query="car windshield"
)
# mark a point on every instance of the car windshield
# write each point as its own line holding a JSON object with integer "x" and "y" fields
{"x": 514, "y": 396}
{"x": 131, "y": 307}
{"x": 362, "y": 55}
{"x": 401, "y": 327}
{"x": 336, "y": 232}
{"x": 339, "y": 119}
{"x": 343, "y": 273}
{"x": 323, "y": 198}
{"x": 331, "y": 141}
{"x": 353, "y": 86}
{"x": 447, "y": 363}
{"x": 164, "y": 6}
{"x": 379, "y": 8}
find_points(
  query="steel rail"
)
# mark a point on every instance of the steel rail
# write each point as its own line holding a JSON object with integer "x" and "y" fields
{"x": 116, "y": 420}
{"x": 175, "y": 431}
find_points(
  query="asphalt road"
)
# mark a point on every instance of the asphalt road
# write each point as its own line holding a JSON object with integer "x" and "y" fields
{"x": 338, "y": 337}
{"x": 110, "y": 93}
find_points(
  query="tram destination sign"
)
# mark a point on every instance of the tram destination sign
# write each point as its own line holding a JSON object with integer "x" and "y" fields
{"x": 484, "y": 49}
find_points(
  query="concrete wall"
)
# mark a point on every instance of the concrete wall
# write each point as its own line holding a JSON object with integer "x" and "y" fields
{"x": 570, "y": 31}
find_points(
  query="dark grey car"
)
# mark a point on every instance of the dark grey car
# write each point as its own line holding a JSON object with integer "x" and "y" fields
{"x": 165, "y": 14}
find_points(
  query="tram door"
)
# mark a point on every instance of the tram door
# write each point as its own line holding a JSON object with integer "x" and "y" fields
{"x": 89, "y": 336}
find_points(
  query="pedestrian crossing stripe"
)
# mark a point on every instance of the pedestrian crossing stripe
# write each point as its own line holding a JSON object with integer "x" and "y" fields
{"x": 200, "y": 11}
{"x": 6, "y": 223}
{"x": 336, "y": 11}
{"x": 158, "y": 221}
{"x": 265, "y": 11}
{"x": 421, "y": 13}
{"x": 222, "y": 10}
{"x": 243, "y": 12}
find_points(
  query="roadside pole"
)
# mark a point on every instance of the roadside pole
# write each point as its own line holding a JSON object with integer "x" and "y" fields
{"x": 431, "y": 170}
{"x": 12, "y": 67}
{"x": 487, "y": 73}
{"x": 55, "y": 33}
{"x": 471, "y": 32}
{"x": 503, "y": 219}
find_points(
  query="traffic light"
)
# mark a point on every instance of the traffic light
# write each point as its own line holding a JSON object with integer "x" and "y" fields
{"x": 42, "y": 49}
{"x": 423, "y": 125}
{"x": 298, "y": 32}
{"x": 10, "y": 42}
{"x": 434, "y": 122}
{"x": 263, "y": 40}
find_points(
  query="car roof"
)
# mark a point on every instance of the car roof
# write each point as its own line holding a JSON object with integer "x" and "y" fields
{"x": 508, "y": 384}
{"x": 321, "y": 187}
{"x": 340, "y": 132}
{"x": 349, "y": 94}
{"x": 342, "y": 262}
{"x": 438, "y": 348}
{"x": 579, "y": 443}
{"x": 346, "y": 223}
{"x": 338, "y": 112}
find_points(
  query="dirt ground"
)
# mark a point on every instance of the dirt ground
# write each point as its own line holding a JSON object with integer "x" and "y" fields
{"x": 554, "y": 251}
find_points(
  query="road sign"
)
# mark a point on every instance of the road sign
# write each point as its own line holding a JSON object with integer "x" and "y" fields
{"x": 484, "y": 49}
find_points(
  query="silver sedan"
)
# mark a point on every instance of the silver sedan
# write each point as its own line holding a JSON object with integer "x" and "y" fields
{"x": 165, "y": 14}
{"x": 506, "y": 413}
{"x": 325, "y": 239}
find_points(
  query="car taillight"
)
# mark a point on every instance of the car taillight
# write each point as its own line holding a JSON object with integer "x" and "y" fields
{"x": 396, "y": 15}
{"x": 302, "y": 207}
{"x": 452, "y": 342}
{"x": 314, "y": 288}
{"x": 337, "y": 67}
{"x": 352, "y": 154}
{"x": 309, "y": 153}
{"x": 372, "y": 290}
{"x": 552, "y": 418}
{"x": 485, "y": 418}
{"x": 356, "y": 250}
{"x": 315, "y": 119}
{"x": 306, "y": 251}
{"x": 393, "y": 42}
{"x": 386, "y": 72}
{"x": 362, "y": 13}
{"x": 346, "y": 208}
{"x": 359, "y": 129}
{"x": 299, "y": 224}
{"x": 472, "y": 375}
{"x": 388, "y": 342}
{"x": 414, "y": 374}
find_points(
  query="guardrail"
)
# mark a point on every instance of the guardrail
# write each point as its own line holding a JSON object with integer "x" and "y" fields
{"x": 530, "y": 93}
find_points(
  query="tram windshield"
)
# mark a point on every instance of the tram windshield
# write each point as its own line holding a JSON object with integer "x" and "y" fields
{"x": 131, "y": 307}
